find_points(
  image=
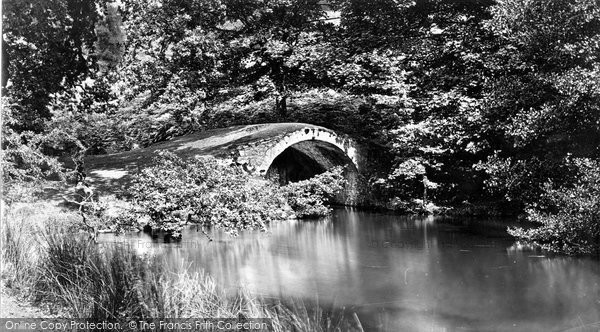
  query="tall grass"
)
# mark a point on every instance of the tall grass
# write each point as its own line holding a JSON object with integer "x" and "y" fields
{"x": 19, "y": 233}
{"x": 87, "y": 280}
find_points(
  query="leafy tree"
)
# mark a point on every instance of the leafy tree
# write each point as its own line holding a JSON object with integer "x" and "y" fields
{"x": 542, "y": 102}
{"x": 47, "y": 46}
{"x": 195, "y": 65}
{"x": 444, "y": 46}
{"x": 271, "y": 42}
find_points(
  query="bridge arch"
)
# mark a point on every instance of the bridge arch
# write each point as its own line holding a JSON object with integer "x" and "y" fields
{"x": 309, "y": 151}
{"x": 318, "y": 136}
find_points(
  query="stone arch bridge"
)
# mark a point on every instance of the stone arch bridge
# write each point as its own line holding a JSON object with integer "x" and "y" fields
{"x": 284, "y": 151}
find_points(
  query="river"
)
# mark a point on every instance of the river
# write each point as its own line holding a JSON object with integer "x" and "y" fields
{"x": 400, "y": 273}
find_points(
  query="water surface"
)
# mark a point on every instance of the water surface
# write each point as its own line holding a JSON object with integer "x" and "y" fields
{"x": 400, "y": 273}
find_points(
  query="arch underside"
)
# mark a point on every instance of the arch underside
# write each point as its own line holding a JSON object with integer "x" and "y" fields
{"x": 305, "y": 159}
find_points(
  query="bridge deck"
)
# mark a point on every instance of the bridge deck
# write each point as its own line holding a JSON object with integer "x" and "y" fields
{"x": 108, "y": 173}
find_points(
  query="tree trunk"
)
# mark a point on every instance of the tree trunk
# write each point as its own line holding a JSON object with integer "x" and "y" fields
{"x": 278, "y": 77}
{"x": 425, "y": 180}
{"x": 5, "y": 63}
{"x": 281, "y": 106}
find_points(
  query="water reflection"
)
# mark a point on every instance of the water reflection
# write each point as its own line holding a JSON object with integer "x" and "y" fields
{"x": 401, "y": 273}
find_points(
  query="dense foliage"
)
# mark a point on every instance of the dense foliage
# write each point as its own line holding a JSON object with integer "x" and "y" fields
{"x": 475, "y": 102}
{"x": 25, "y": 166}
{"x": 174, "y": 192}
{"x": 569, "y": 214}
{"x": 208, "y": 191}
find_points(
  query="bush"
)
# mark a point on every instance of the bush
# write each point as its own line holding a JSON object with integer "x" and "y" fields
{"x": 308, "y": 197}
{"x": 569, "y": 216}
{"x": 26, "y": 169}
{"x": 207, "y": 191}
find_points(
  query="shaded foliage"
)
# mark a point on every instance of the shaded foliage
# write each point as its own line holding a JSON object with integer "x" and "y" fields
{"x": 47, "y": 46}
{"x": 569, "y": 215}
{"x": 25, "y": 166}
{"x": 309, "y": 198}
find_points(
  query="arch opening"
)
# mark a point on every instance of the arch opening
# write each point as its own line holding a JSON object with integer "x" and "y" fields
{"x": 306, "y": 159}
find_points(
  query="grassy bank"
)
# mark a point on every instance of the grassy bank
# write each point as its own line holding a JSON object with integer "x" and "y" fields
{"x": 46, "y": 259}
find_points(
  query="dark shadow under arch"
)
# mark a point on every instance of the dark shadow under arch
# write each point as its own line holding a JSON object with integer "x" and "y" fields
{"x": 306, "y": 159}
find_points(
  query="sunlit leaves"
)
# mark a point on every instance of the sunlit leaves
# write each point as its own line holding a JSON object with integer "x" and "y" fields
{"x": 549, "y": 34}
